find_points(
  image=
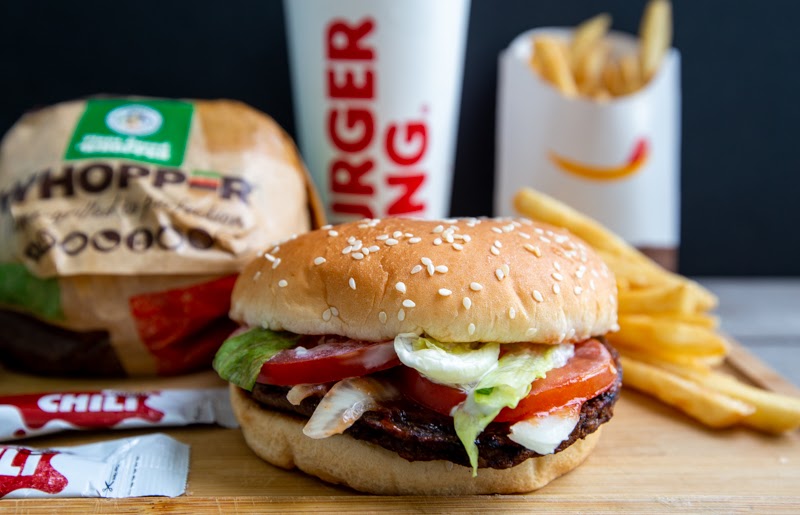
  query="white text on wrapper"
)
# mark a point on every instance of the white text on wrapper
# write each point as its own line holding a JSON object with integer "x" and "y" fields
{"x": 351, "y": 128}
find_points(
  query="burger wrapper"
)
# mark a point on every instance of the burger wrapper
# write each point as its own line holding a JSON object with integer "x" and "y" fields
{"x": 124, "y": 221}
{"x": 619, "y": 160}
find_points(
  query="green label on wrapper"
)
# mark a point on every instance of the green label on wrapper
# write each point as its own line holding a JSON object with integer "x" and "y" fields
{"x": 21, "y": 289}
{"x": 151, "y": 131}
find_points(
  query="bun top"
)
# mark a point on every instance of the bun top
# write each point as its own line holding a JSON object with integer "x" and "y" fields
{"x": 465, "y": 280}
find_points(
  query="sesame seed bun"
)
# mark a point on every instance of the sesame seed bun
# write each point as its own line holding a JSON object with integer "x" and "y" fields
{"x": 502, "y": 280}
{"x": 278, "y": 439}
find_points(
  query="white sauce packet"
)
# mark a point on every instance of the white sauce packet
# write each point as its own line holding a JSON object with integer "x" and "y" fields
{"x": 130, "y": 467}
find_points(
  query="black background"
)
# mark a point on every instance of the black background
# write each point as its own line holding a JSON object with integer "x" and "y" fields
{"x": 741, "y": 83}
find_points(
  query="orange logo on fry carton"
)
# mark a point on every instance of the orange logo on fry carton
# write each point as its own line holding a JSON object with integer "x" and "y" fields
{"x": 637, "y": 158}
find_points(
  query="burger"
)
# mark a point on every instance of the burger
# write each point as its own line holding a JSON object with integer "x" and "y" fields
{"x": 404, "y": 356}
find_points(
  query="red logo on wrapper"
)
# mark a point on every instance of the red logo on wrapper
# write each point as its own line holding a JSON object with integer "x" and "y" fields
{"x": 352, "y": 126}
{"x": 183, "y": 328}
{"x": 24, "y": 468}
{"x": 87, "y": 410}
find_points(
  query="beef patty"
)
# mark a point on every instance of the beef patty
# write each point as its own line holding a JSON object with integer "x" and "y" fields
{"x": 420, "y": 434}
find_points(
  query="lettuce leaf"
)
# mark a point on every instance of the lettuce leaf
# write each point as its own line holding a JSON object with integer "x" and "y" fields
{"x": 240, "y": 358}
{"x": 503, "y": 387}
{"x": 446, "y": 363}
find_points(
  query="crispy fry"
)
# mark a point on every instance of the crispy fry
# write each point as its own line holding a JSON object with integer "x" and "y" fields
{"x": 588, "y": 70}
{"x": 630, "y": 73}
{"x": 655, "y": 34}
{"x": 708, "y": 406}
{"x": 587, "y": 36}
{"x": 675, "y": 298}
{"x": 612, "y": 78}
{"x": 554, "y": 65}
{"x": 774, "y": 412}
{"x": 662, "y": 359}
{"x": 699, "y": 319}
{"x": 645, "y": 332}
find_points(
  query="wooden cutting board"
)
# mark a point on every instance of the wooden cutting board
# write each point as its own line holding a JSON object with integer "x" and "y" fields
{"x": 650, "y": 459}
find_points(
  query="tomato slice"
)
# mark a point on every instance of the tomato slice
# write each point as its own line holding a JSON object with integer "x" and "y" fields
{"x": 323, "y": 359}
{"x": 588, "y": 373}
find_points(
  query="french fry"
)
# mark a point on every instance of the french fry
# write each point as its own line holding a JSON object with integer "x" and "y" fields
{"x": 587, "y": 37}
{"x": 674, "y": 298}
{"x": 612, "y": 78}
{"x": 699, "y": 319}
{"x": 774, "y": 413}
{"x": 554, "y": 65}
{"x": 630, "y": 73}
{"x": 588, "y": 70}
{"x": 703, "y": 404}
{"x": 655, "y": 34}
{"x": 646, "y": 332}
{"x": 664, "y": 359}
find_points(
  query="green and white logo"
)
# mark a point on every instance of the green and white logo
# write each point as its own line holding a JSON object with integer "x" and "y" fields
{"x": 151, "y": 131}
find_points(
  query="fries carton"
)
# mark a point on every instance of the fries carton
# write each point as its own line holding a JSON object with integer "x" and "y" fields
{"x": 615, "y": 159}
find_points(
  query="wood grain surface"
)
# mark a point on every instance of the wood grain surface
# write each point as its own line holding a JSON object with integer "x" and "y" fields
{"x": 651, "y": 459}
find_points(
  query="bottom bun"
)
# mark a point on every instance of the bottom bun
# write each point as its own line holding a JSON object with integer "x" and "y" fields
{"x": 278, "y": 439}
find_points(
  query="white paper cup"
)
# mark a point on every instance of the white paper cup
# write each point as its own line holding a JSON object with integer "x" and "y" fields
{"x": 617, "y": 161}
{"x": 377, "y": 88}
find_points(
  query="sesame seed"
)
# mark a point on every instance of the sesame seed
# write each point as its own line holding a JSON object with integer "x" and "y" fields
{"x": 334, "y": 311}
{"x": 426, "y": 261}
{"x": 546, "y": 240}
{"x": 557, "y": 265}
{"x": 352, "y": 283}
{"x": 408, "y": 235}
{"x": 537, "y": 230}
{"x": 282, "y": 283}
{"x": 437, "y": 241}
{"x": 580, "y": 271}
{"x": 578, "y": 290}
{"x": 467, "y": 238}
{"x": 494, "y": 250}
{"x": 444, "y": 292}
{"x": 275, "y": 249}
{"x": 382, "y": 237}
{"x": 467, "y": 302}
{"x": 257, "y": 275}
{"x": 351, "y": 240}
{"x": 347, "y": 249}
{"x": 326, "y": 227}
{"x": 512, "y": 313}
{"x": 498, "y": 244}
{"x": 431, "y": 269}
{"x": 408, "y": 303}
{"x": 556, "y": 289}
{"x": 270, "y": 257}
{"x": 319, "y": 260}
{"x": 560, "y": 238}
{"x": 401, "y": 315}
{"x": 530, "y": 332}
{"x": 276, "y": 263}
{"x": 458, "y": 246}
{"x": 264, "y": 325}
{"x": 333, "y": 233}
{"x": 538, "y": 296}
{"x": 374, "y": 248}
{"x": 365, "y": 251}
{"x": 534, "y": 250}
{"x": 415, "y": 240}
{"x": 400, "y": 286}
{"x": 525, "y": 235}
{"x": 417, "y": 269}
{"x": 497, "y": 230}
{"x": 382, "y": 317}
{"x": 442, "y": 269}
{"x": 557, "y": 276}
{"x": 505, "y": 269}
{"x": 438, "y": 229}
{"x": 397, "y": 234}
{"x": 326, "y": 315}
{"x": 392, "y": 241}
{"x": 471, "y": 329}
{"x": 475, "y": 286}
{"x": 499, "y": 274}
{"x": 591, "y": 284}
{"x": 358, "y": 256}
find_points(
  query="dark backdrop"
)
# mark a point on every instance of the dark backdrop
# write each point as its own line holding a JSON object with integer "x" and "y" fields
{"x": 741, "y": 84}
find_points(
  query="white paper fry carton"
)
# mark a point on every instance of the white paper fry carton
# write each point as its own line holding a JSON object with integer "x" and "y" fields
{"x": 377, "y": 88}
{"x": 131, "y": 467}
{"x": 617, "y": 161}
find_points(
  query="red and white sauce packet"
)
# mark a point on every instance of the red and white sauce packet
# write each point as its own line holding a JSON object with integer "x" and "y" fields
{"x": 130, "y": 467}
{"x": 26, "y": 415}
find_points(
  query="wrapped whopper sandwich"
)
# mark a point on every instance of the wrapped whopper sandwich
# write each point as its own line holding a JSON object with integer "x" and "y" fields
{"x": 123, "y": 224}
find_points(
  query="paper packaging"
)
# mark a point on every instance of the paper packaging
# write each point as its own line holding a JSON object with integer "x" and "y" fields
{"x": 377, "y": 87}
{"x": 34, "y": 414}
{"x": 617, "y": 161}
{"x": 130, "y": 467}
